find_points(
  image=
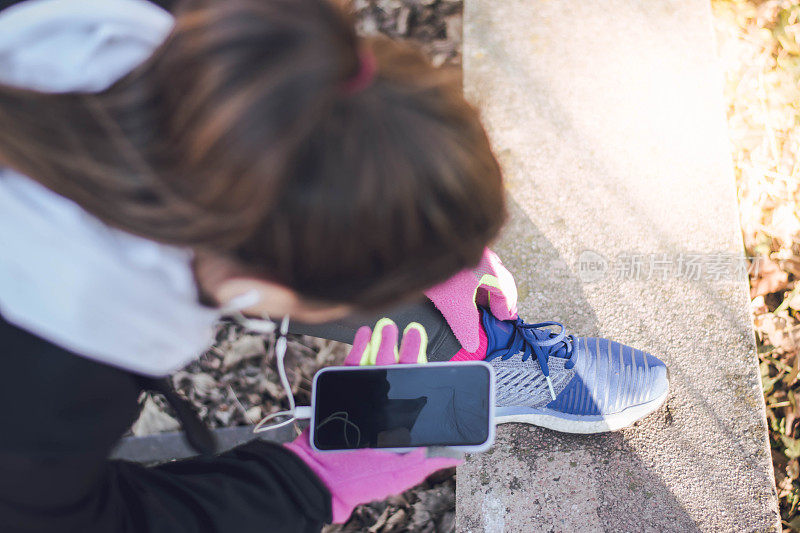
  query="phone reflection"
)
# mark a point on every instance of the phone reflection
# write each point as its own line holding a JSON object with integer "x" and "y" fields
{"x": 370, "y": 418}
{"x": 397, "y": 409}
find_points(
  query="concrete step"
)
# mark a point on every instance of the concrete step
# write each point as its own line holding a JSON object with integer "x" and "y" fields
{"x": 608, "y": 120}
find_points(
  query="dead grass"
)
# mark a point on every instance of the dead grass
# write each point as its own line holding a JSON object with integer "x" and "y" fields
{"x": 759, "y": 44}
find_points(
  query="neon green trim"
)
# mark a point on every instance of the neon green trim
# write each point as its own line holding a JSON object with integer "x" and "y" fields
{"x": 422, "y": 356}
{"x": 492, "y": 281}
{"x": 366, "y": 355}
{"x": 370, "y": 356}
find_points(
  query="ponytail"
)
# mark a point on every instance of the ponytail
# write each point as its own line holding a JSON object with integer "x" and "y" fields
{"x": 252, "y": 132}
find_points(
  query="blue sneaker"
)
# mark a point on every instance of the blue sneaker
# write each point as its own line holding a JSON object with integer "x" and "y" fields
{"x": 567, "y": 383}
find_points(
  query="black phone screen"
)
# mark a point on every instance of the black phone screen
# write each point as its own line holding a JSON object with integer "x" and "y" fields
{"x": 399, "y": 407}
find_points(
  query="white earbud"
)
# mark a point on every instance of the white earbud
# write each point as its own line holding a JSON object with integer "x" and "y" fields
{"x": 242, "y": 301}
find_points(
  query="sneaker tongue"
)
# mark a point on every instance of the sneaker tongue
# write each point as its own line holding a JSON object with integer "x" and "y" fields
{"x": 502, "y": 333}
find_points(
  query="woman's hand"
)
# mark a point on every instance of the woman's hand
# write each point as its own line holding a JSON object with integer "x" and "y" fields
{"x": 360, "y": 476}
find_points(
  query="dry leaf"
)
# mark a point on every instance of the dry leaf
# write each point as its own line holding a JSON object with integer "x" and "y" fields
{"x": 153, "y": 420}
{"x": 242, "y": 348}
{"x": 770, "y": 278}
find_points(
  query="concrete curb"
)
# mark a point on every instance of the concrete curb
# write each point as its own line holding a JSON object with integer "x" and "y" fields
{"x": 163, "y": 447}
{"x": 607, "y": 118}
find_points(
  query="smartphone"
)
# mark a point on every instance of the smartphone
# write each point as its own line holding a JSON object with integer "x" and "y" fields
{"x": 402, "y": 407}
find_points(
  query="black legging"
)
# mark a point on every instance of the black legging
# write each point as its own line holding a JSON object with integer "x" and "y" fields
{"x": 442, "y": 344}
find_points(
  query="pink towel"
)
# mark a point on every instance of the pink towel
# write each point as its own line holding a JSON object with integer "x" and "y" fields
{"x": 488, "y": 284}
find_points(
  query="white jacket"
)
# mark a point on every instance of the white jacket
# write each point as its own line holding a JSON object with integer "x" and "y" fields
{"x": 65, "y": 276}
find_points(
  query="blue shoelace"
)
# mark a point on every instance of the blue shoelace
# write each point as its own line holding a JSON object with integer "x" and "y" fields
{"x": 534, "y": 339}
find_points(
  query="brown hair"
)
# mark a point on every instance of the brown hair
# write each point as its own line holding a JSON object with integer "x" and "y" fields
{"x": 237, "y": 137}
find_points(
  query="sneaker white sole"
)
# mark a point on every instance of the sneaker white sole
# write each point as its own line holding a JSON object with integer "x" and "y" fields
{"x": 584, "y": 425}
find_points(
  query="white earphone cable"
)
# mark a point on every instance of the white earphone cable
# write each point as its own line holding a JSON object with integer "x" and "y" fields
{"x": 280, "y": 354}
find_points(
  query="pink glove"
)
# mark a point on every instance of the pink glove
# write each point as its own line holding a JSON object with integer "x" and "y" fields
{"x": 362, "y": 476}
{"x": 489, "y": 284}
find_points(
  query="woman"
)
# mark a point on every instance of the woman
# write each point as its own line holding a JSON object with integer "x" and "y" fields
{"x": 249, "y": 155}
{"x": 244, "y": 147}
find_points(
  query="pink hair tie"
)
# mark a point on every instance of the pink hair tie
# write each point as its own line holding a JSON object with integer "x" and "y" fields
{"x": 367, "y": 69}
